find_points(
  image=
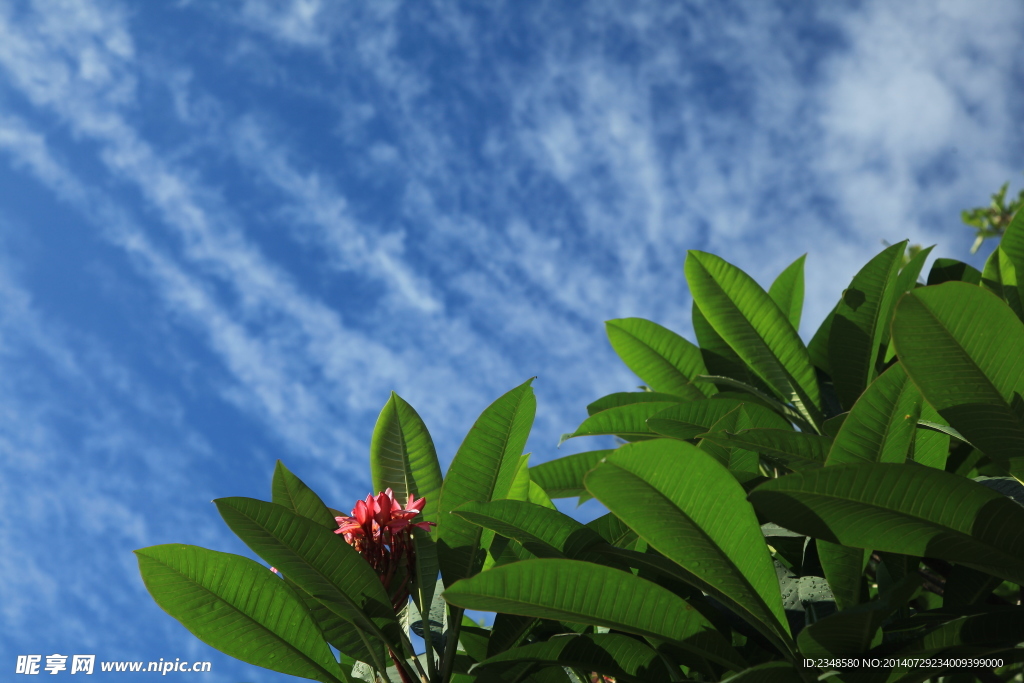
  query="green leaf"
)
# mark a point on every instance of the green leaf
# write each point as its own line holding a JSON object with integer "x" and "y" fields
{"x": 991, "y": 279}
{"x": 239, "y": 607}
{"x": 539, "y": 496}
{"x": 943, "y": 429}
{"x": 317, "y": 560}
{"x": 818, "y": 348}
{"x": 757, "y": 397}
{"x": 1012, "y": 242}
{"x": 563, "y": 478}
{"x": 665, "y": 361}
{"x": 1012, "y": 283}
{"x": 290, "y": 491}
{"x": 910, "y": 272}
{"x": 719, "y": 358}
{"x": 1008, "y": 486}
{"x": 882, "y": 423}
{"x": 751, "y": 323}
{"x": 625, "y": 421}
{"x": 930, "y": 446}
{"x": 689, "y": 420}
{"x": 901, "y": 508}
{"x": 965, "y": 586}
{"x": 691, "y": 510}
{"x": 586, "y": 593}
{"x": 844, "y": 569}
{"x": 543, "y": 532}
{"x": 798, "y": 450}
{"x": 834, "y": 424}
{"x": 788, "y": 291}
{"x": 610, "y": 654}
{"x": 853, "y": 631}
{"x": 402, "y": 456}
{"x": 624, "y": 398}
{"x": 951, "y": 270}
{"x": 961, "y": 347}
{"x": 508, "y": 631}
{"x": 483, "y": 469}
{"x": 617, "y": 534}
{"x": 343, "y": 635}
{"x": 744, "y": 464}
{"x": 996, "y": 628}
{"x": 521, "y": 482}
{"x": 861, "y": 323}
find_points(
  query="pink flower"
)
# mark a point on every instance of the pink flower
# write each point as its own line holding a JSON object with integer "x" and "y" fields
{"x": 381, "y": 530}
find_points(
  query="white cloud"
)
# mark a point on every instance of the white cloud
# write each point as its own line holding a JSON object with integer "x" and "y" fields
{"x": 923, "y": 85}
{"x": 313, "y": 201}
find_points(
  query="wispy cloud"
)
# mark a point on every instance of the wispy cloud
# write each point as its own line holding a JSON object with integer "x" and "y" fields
{"x": 320, "y": 203}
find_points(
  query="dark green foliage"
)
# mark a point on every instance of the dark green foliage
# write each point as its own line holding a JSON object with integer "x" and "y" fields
{"x": 774, "y": 502}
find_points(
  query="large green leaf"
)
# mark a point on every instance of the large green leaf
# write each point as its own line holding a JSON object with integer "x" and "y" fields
{"x": 855, "y": 630}
{"x": 1011, "y": 276}
{"x": 689, "y": 508}
{"x": 742, "y": 463}
{"x": 521, "y": 482}
{"x": 844, "y": 569}
{"x": 861, "y": 322}
{"x": 661, "y": 358}
{"x": 688, "y": 420}
{"x": 343, "y": 635}
{"x": 718, "y": 356}
{"x": 616, "y": 533}
{"x": 901, "y": 508}
{"x": 319, "y": 561}
{"x": 787, "y": 291}
{"x": 962, "y": 346}
{"x": 1012, "y": 241}
{"x": 931, "y": 447}
{"x": 976, "y": 635}
{"x": 610, "y": 654}
{"x": 745, "y": 316}
{"x": 291, "y": 492}
{"x": 965, "y": 586}
{"x": 751, "y": 394}
{"x": 907, "y": 279}
{"x": 882, "y": 423}
{"x": 622, "y": 398}
{"x": 586, "y": 593}
{"x": 990, "y": 276}
{"x": 239, "y": 607}
{"x": 1010, "y": 260}
{"x": 402, "y": 456}
{"x": 818, "y": 348}
{"x": 797, "y": 450}
{"x": 563, "y": 478}
{"x": 951, "y": 270}
{"x": 542, "y": 531}
{"x": 483, "y": 469}
{"x": 628, "y": 420}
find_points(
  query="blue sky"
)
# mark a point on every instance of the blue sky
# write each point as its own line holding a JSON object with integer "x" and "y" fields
{"x": 229, "y": 229}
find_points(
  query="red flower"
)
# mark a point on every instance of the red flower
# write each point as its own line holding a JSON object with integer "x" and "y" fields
{"x": 381, "y": 530}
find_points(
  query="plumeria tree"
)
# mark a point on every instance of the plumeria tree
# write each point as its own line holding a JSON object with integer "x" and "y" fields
{"x": 777, "y": 511}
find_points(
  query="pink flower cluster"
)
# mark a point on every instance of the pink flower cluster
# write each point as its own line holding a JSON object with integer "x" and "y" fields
{"x": 381, "y": 530}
